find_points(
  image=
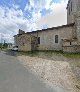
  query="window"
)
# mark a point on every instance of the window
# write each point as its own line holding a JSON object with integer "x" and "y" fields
{"x": 56, "y": 38}
{"x": 70, "y": 43}
{"x": 38, "y": 40}
{"x": 69, "y": 10}
{"x": 71, "y": 6}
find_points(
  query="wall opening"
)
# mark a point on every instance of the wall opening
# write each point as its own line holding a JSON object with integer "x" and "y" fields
{"x": 70, "y": 43}
{"x": 38, "y": 40}
{"x": 56, "y": 38}
{"x": 71, "y": 6}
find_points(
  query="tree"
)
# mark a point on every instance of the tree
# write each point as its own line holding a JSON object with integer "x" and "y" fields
{"x": 5, "y": 45}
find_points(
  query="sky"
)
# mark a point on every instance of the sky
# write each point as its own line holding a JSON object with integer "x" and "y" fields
{"x": 30, "y": 15}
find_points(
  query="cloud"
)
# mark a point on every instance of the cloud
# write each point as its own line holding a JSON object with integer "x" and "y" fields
{"x": 48, "y": 3}
{"x": 57, "y": 17}
{"x": 11, "y": 20}
{"x": 38, "y": 8}
{"x": 36, "y": 14}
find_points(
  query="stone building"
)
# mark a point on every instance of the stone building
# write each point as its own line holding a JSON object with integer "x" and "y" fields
{"x": 25, "y": 41}
{"x": 65, "y": 37}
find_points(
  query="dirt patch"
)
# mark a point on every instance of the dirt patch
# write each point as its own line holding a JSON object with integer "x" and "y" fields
{"x": 57, "y": 71}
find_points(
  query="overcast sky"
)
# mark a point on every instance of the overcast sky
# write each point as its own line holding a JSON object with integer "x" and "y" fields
{"x": 30, "y": 15}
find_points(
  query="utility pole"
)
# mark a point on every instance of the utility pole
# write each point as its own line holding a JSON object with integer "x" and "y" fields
{"x": 1, "y": 41}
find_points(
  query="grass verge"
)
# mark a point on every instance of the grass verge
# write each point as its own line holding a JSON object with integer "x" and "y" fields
{"x": 49, "y": 53}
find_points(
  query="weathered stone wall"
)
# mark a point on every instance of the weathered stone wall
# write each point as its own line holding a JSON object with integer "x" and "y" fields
{"x": 74, "y": 49}
{"x": 47, "y": 38}
{"x": 27, "y": 47}
{"x": 34, "y": 43}
{"x": 73, "y": 16}
{"x": 73, "y": 11}
{"x": 71, "y": 46}
{"x": 24, "y": 42}
{"x": 78, "y": 26}
{"x": 70, "y": 43}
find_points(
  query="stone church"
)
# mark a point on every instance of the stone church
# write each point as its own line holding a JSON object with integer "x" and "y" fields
{"x": 65, "y": 37}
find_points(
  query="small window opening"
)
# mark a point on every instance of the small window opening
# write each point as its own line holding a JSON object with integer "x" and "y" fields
{"x": 69, "y": 10}
{"x": 71, "y": 6}
{"x": 38, "y": 40}
{"x": 70, "y": 43}
{"x": 56, "y": 38}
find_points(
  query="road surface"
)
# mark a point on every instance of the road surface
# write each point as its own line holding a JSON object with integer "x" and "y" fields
{"x": 15, "y": 78}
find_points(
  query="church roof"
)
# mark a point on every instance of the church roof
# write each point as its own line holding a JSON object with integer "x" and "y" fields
{"x": 68, "y": 25}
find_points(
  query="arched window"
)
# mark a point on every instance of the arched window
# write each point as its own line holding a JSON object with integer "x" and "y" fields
{"x": 56, "y": 38}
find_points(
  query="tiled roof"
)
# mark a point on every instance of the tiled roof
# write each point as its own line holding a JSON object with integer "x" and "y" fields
{"x": 68, "y": 25}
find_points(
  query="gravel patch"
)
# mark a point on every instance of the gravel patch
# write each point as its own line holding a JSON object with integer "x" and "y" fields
{"x": 55, "y": 72}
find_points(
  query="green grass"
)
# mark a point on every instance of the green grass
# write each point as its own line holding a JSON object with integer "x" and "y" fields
{"x": 71, "y": 55}
{"x": 28, "y": 53}
{"x": 49, "y": 53}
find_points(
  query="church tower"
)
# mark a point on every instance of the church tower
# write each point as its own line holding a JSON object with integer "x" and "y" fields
{"x": 73, "y": 16}
{"x": 73, "y": 7}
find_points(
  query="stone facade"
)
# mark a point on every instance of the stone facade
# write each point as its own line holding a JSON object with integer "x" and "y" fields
{"x": 47, "y": 37}
{"x": 26, "y": 42}
{"x": 65, "y": 37}
{"x": 72, "y": 8}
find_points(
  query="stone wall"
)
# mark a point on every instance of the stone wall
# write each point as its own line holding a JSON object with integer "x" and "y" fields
{"x": 24, "y": 42}
{"x": 34, "y": 43}
{"x": 47, "y": 37}
{"x": 70, "y": 49}
{"x": 73, "y": 11}
{"x": 71, "y": 46}
{"x": 78, "y": 26}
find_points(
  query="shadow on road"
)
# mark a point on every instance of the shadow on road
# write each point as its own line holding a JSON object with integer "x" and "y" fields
{"x": 10, "y": 52}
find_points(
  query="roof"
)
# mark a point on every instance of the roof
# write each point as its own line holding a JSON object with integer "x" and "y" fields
{"x": 68, "y": 25}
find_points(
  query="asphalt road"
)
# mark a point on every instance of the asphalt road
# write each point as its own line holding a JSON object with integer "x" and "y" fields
{"x": 15, "y": 78}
